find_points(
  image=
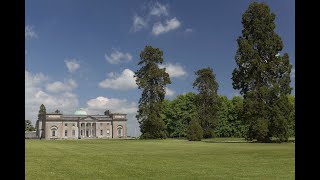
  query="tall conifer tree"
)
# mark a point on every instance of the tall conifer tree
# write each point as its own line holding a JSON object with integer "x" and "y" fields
{"x": 262, "y": 75}
{"x": 152, "y": 80}
{"x": 207, "y": 100}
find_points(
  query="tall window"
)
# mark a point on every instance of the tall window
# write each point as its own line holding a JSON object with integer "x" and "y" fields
{"x": 73, "y": 133}
{"x": 101, "y": 132}
{"x": 66, "y": 133}
{"x": 73, "y": 124}
{"x": 66, "y": 124}
{"x": 108, "y": 132}
{"x": 53, "y": 133}
{"x": 119, "y": 131}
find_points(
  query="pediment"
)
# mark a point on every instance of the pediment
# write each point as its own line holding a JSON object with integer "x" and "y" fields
{"x": 88, "y": 118}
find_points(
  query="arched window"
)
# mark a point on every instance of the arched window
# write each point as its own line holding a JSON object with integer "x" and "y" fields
{"x": 120, "y": 131}
{"x": 53, "y": 130}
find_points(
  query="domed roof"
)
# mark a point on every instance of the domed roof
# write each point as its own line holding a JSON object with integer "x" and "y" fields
{"x": 80, "y": 112}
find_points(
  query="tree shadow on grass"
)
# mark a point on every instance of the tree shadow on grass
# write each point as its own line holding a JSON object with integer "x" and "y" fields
{"x": 244, "y": 141}
{"x": 228, "y": 141}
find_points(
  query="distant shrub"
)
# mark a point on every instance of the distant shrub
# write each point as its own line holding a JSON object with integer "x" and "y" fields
{"x": 194, "y": 132}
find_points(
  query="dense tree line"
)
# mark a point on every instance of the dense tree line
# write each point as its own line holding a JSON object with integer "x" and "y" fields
{"x": 179, "y": 112}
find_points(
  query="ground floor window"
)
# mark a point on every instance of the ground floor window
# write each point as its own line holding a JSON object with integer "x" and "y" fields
{"x": 101, "y": 132}
{"x": 119, "y": 131}
{"x": 73, "y": 133}
{"x": 81, "y": 132}
{"x": 66, "y": 133}
{"x": 53, "y": 130}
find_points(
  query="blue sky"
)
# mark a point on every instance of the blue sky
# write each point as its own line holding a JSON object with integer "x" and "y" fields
{"x": 81, "y": 54}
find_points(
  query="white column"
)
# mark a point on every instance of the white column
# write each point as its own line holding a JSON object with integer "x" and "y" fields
{"x": 85, "y": 129}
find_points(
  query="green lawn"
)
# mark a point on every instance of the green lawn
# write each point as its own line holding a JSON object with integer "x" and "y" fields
{"x": 158, "y": 159}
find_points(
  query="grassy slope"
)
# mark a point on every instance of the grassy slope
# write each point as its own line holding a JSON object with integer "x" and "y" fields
{"x": 157, "y": 159}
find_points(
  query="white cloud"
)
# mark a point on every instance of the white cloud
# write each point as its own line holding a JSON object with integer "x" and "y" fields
{"x": 117, "y": 57}
{"x": 35, "y": 95}
{"x": 124, "y": 81}
{"x": 158, "y": 10}
{"x": 138, "y": 23}
{"x": 174, "y": 70}
{"x": 59, "y": 86}
{"x": 160, "y": 28}
{"x": 72, "y": 65}
{"x": 29, "y": 32}
{"x": 100, "y": 104}
{"x": 169, "y": 92}
{"x": 189, "y": 30}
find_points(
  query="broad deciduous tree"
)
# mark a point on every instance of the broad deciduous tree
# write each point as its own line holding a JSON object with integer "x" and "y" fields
{"x": 178, "y": 113}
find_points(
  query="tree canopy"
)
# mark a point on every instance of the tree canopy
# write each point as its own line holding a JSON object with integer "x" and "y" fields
{"x": 178, "y": 113}
{"x": 28, "y": 126}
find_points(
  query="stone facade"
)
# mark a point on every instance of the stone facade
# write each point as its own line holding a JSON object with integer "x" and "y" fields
{"x": 83, "y": 126}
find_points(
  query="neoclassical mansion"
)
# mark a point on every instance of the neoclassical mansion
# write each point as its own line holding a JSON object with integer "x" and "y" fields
{"x": 80, "y": 125}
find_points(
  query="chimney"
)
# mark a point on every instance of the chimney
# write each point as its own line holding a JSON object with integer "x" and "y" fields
{"x": 107, "y": 113}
